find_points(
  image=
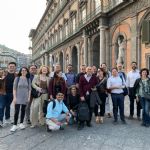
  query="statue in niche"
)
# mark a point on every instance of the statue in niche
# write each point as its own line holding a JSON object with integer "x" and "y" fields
{"x": 121, "y": 50}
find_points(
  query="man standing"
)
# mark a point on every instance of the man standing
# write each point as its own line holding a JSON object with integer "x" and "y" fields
{"x": 57, "y": 69}
{"x": 9, "y": 80}
{"x": 71, "y": 77}
{"x": 33, "y": 71}
{"x": 115, "y": 84}
{"x": 131, "y": 78}
{"x": 82, "y": 72}
{"x": 86, "y": 83}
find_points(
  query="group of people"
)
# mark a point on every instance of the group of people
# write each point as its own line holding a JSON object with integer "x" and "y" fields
{"x": 63, "y": 93}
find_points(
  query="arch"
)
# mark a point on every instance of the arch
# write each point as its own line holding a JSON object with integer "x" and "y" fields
{"x": 142, "y": 50}
{"x": 96, "y": 51}
{"x": 147, "y": 13}
{"x": 75, "y": 59}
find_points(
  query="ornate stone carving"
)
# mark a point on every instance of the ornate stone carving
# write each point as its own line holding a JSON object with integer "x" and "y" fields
{"x": 130, "y": 10}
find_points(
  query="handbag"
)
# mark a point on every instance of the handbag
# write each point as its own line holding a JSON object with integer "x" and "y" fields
{"x": 125, "y": 90}
{"x": 35, "y": 93}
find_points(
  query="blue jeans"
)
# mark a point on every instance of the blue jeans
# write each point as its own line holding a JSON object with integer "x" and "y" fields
{"x": 118, "y": 102}
{"x": 2, "y": 103}
{"x": 8, "y": 101}
{"x": 146, "y": 110}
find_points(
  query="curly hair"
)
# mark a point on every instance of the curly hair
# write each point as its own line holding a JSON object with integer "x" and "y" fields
{"x": 144, "y": 69}
{"x": 40, "y": 71}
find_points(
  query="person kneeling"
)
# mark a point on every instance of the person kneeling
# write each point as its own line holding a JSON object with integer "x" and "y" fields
{"x": 55, "y": 119}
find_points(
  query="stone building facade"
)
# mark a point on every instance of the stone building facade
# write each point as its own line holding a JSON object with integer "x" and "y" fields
{"x": 91, "y": 32}
{"x": 8, "y": 55}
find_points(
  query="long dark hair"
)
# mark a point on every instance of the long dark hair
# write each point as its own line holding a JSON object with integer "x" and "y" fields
{"x": 27, "y": 75}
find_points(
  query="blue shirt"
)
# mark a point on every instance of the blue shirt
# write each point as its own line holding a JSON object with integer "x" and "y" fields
{"x": 56, "y": 112}
{"x": 70, "y": 79}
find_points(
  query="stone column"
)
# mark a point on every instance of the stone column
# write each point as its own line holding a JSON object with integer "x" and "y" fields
{"x": 70, "y": 55}
{"x": 89, "y": 52}
{"x": 64, "y": 62}
{"x": 42, "y": 60}
{"x": 85, "y": 47}
{"x": 139, "y": 51}
{"x": 50, "y": 62}
{"x": 134, "y": 43}
{"x": 102, "y": 45}
{"x": 46, "y": 60}
{"x": 78, "y": 55}
{"x": 107, "y": 48}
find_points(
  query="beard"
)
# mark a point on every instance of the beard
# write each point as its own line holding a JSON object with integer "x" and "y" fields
{"x": 134, "y": 68}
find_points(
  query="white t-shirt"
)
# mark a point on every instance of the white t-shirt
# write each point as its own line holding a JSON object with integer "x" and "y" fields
{"x": 131, "y": 77}
{"x": 115, "y": 81}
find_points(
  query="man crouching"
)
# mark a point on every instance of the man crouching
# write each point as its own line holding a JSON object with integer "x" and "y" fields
{"x": 55, "y": 119}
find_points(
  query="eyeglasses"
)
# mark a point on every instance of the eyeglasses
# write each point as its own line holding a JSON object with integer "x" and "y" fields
{"x": 73, "y": 89}
{"x": 60, "y": 95}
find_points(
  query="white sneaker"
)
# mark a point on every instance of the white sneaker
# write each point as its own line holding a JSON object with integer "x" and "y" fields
{"x": 7, "y": 121}
{"x": 1, "y": 124}
{"x": 22, "y": 126}
{"x": 14, "y": 128}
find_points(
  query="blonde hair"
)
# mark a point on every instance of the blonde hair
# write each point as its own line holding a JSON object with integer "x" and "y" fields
{"x": 40, "y": 70}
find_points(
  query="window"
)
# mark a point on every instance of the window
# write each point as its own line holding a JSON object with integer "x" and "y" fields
{"x": 74, "y": 24}
{"x": 97, "y": 4}
{"x": 148, "y": 61}
{"x": 146, "y": 32}
{"x": 66, "y": 29}
{"x": 61, "y": 34}
{"x": 84, "y": 15}
{"x": 119, "y": 1}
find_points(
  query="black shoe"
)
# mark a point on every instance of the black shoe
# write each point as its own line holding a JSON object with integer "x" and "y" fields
{"x": 115, "y": 122}
{"x": 130, "y": 117}
{"x": 80, "y": 126}
{"x": 61, "y": 128}
{"x": 89, "y": 124}
{"x": 47, "y": 129}
{"x": 28, "y": 122}
{"x": 139, "y": 119}
{"x": 124, "y": 122}
{"x": 147, "y": 125}
{"x": 142, "y": 124}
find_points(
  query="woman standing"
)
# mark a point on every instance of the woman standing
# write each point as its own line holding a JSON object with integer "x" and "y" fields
{"x": 40, "y": 83}
{"x": 102, "y": 92}
{"x": 57, "y": 84}
{"x": 2, "y": 96}
{"x": 21, "y": 95}
{"x": 142, "y": 86}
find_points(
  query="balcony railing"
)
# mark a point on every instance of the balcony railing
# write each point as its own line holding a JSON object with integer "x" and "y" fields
{"x": 60, "y": 7}
{"x": 79, "y": 26}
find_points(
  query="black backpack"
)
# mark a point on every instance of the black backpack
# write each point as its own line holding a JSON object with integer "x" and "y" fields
{"x": 83, "y": 112}
{"x": 46, "y": 102}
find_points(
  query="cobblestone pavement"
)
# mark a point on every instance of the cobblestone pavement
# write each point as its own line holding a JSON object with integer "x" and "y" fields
{"x": 99, "y": 137}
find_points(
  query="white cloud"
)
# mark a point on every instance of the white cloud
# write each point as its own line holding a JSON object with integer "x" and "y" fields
{"x": 17, "y": 18}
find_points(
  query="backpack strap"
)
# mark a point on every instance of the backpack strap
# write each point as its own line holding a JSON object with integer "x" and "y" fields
{"x": 18, "y": 78}
{"x": 54, "y": 103}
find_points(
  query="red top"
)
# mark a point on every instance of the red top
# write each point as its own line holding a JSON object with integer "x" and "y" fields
{"x": 85, "y": 86}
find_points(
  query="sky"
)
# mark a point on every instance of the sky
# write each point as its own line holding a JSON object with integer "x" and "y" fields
{"x": 17, "y": 17}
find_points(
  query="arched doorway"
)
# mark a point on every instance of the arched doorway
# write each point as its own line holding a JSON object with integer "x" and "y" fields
{"x": 75, "y": 59}
{"x": 96, "y": 51}
{"x": 61, "y": 60}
